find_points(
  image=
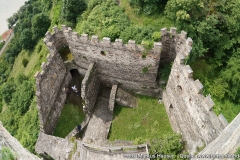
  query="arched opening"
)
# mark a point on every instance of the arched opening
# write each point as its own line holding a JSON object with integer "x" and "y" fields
{"x": 171, "y": 106}
{"x": 66, "y": 54}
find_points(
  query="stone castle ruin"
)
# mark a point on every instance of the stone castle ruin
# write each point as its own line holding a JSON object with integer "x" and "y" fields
{"x": 124, "y": 69}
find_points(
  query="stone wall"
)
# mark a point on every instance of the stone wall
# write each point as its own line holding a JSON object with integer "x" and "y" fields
{"x": 227, "y": 142}
{"x": 57, "y": 148}
{"x": 7, "y": 140}
{"x": 90, "y": 87}
{"x": 50, "y": 93}
{"x": 115, "y": 62}
{"x": 190, "y": 113}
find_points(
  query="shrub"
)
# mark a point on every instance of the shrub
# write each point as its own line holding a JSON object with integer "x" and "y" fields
{"x": 70, "y": 11}
{"x": 24, "y": 62}
{"x": 156, "y": 36}
{"x": 137, "y": 33}
{"x": 8, "y": 89}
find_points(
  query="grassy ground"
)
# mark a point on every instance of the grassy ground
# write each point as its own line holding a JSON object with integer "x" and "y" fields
{"x": 35, "y": 58}
{"x": 156, "y": 21}
{"x": 71, "y": 116}
{"x": 129, "y": 124}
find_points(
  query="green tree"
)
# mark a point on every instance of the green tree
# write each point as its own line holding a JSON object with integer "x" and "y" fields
{"x": 40, "y": 25}
{"x": 21, "y": 99}
{"x": 212, "y": 25}
{"x": 26, "y": 39}
{"x": 231, "y": 75}
{"x": 8, "y": 89}
{"x": 72, "y": 9}
{"x": 148, "y": 6}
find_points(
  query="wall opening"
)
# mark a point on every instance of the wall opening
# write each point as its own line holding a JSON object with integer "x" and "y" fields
{"x": 72, "y": 113}
{"x": 103, "y": 53}
{"x": 66, "y": 54}
{"x": 171, "y": 106}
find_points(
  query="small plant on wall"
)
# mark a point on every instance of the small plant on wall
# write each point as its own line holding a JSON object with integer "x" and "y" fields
{"x": 145, "y": 69}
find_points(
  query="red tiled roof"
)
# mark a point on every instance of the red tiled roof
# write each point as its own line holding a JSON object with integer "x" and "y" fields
{"x": 6, "y": 34}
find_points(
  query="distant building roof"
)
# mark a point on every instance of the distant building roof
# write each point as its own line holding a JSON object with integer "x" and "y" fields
{"x": 6, "y": 35}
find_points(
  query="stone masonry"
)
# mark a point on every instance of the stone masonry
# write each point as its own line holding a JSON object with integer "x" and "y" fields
{"x": 115, "y": 62}
{"x": 90, "y": 87}
{"x": 7, "y": 140}
{"x": 189, "y": 112}
{"x": 121, "y": 66}
{"x": 50, "y": 93}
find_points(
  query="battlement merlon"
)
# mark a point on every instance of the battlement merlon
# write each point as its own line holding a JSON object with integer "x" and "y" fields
{"x": 106, "y": 41}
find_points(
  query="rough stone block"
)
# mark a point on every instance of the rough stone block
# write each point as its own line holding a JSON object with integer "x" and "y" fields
{"x": 45, "y": 40}
{"x": 157, "y": 47}
{"x": 84, "y": 38}
{"x": 209, "y": 103}
{"x": 106, "y": 42}
{"x": 75, "y": 36}
{"x": 223, "y": 120}
{"x": 173, "y": 30}
{"x": 37, "y": 74}
{"x": 95, "y": 40}
{"x": 55, "y": 29}
{"x": 163, "y": 32}
{"x": 64, "y": 27}
{"x": 48, "y": 35}
{"x": 131, "y": 45}
{"x": 187, "y": 71}
{"x": 43, "y": 65}
{"x": 183, "y": 34}
{"x": 198, "y": 86}
{"x": 118, "y": 43}
{"x": 180, "y": 58}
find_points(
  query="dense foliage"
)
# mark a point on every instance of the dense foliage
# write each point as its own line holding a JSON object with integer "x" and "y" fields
{"x": 148, "y": 7}
{"x": 1, "y": 45}
{"x": 111, "y": 21}
{"x": 72, "y": 8}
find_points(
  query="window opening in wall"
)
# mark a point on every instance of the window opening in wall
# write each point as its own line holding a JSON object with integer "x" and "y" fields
{"x": 171, "y": 106}
{"x": 66, "y": 54}
{"x": 103, "y": 53}
{"x": 179, "y": 88}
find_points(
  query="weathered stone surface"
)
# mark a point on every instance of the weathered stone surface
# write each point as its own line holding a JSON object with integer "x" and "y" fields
{"x": 90, "y": 87}
{"x": 126, "y": 99}
{"x": 57, "y": 148}
{"x": 112, "y": 98}
{"x": 93, "y": 152}
{"x": 7, "y": 140}
{"x": 51, "y": 97}
{"x": 226, "y": 143}
{"x": 115, "y": 62}
{"x": 188, "y": 110}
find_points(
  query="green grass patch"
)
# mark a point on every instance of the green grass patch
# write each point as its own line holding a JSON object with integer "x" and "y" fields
{"x": 157, "y": 21}
{"x": 35, "y": 58}
{"x": 132, "y": 123}
{"x": 71, "y": 116}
